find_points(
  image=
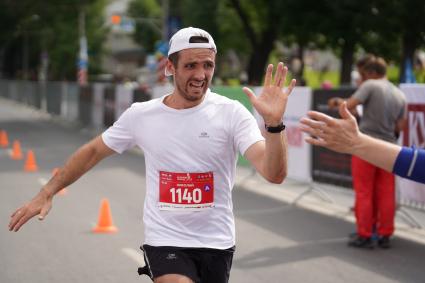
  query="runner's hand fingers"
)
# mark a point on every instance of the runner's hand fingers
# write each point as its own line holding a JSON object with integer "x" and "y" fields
{"x": 280, "y": 76}
{"x": 268, "y": 78}
{"x": 250, "y": 94}
{"x": 291, "y": 86}
{"x": 19, "y": 210}
{"x": 44, "y": 211}
{"x": 16, "y": 217}
{"x": 21, "y": 221}
{"x": 20, "y": 217}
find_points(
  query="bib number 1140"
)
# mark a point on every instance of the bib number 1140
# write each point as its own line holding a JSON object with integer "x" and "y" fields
{"x": 181, "y": 195}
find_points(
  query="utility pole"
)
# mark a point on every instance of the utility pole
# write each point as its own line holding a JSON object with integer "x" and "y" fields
{"x": 83, "y": 56}
{"x": 165, "y": 12}
{"x": 25, "y": 55}
{"x": 25, "y": 42}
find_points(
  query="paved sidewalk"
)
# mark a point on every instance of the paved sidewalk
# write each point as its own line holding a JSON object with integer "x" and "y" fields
{"x": 327, "y": 199}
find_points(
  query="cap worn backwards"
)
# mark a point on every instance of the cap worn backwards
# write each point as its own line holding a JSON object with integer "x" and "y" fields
{"x": 186, "y": 38}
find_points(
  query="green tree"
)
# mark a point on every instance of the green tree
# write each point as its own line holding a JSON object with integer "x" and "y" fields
{"x": 202, "y": 14}
{"x": 261, "y": 21}
{"x": 304, "y": 26}
{"x": 52, "y": 27}
{"x": 15, "y": 18}
{"x": 412, "y": 28}
{"x": 345, "y": 24}
{"x": 396, "y": 31}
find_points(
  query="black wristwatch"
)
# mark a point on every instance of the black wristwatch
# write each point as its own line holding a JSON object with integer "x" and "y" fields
{"x": 277, "y": 129}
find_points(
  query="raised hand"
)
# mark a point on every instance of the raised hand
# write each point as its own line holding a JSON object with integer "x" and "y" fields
{"x": 271, "y": 103}
{"x": 40, "y": 205}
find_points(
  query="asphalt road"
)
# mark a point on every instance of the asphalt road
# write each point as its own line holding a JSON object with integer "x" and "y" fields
{"x": 276, "y": 242}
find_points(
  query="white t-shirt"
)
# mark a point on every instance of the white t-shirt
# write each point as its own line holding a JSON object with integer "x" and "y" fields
{"x": 205, "y": 138}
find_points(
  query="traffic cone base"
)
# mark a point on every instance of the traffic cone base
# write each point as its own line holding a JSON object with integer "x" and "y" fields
{"x": 4, "y": 141}
{"x": 105, "y": 224}
{"x": 30, "y": 163}
{"x": 111, "y": 229}
{"x": 16, "y": 151}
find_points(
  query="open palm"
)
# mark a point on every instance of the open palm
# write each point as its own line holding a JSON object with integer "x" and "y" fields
{"x": 271, "y": 103}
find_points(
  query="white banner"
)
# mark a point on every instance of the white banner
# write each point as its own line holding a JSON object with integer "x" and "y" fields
{"x": 299, "y": 152}
{"x": 409, "y": 191}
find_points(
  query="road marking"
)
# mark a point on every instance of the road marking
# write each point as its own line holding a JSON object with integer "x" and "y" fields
{"x": 134, "y": 255}
{"x": 42, "y": 181}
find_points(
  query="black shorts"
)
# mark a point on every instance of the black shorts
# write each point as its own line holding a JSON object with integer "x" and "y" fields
{"x": 199, "y": 264}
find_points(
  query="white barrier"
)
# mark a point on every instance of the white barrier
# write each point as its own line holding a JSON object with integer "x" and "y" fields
{"x": 123, "y": 98}
{"x": 413, "y": 193}
{"x": 98, "y": 105}
{"x": 299, "y": 152}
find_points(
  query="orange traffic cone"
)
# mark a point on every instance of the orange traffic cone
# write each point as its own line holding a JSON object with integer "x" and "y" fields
{"x": 105, "y": 224}
{"x": 30, "y": 163}
{"x": 4, "y": 141}
{"x": 16, "y": 151}
{"x": 64, "y": 191}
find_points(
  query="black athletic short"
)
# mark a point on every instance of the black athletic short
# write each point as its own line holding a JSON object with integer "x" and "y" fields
{"x": 199, "y": 264}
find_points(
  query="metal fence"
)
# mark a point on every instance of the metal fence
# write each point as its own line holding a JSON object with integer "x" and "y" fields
{"x": 90, "y": 105}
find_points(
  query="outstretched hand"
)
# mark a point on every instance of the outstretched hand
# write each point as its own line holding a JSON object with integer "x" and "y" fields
{"x": 340, "y": 135}
{"x": 40, "y": 205}
{"x": 271, "y": 103}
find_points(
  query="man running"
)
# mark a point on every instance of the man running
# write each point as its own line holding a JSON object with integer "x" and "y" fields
{"x": 190, "y": 139}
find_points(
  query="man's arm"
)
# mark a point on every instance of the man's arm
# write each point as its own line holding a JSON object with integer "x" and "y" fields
{"x": 401, "y": 123}
{"x": 79, "y": 163}
{"x": 335, "y": 102}
{"x": 269, "y": 157}
{"x": 399, "y": 126}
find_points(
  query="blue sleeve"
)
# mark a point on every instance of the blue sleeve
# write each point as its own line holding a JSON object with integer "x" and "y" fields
{"x": 410, "y": 164}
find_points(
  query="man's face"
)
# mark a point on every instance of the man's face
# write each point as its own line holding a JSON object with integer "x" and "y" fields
{"x": 194, "y": 71}
{"x": 365, "y": 75}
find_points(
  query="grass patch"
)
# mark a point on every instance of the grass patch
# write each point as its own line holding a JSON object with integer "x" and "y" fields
{"x": 314, "y": 79}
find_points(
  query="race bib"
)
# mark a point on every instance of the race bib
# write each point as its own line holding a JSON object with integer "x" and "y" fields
{"x": 186, "y": 191}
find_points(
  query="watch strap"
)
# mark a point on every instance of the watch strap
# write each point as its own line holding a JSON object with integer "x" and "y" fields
{"x": 276, "y": 129}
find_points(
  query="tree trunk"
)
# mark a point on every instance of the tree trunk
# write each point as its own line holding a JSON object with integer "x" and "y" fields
{"x": 2, "y": 51}
{"x": 299, "y": 75}
{"x": 258, "y": 59}
{"x": 346, "y": 62}
{"x": 408, "y": 50}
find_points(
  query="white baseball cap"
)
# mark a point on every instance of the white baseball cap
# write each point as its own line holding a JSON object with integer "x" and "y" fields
{"x": 183, "y": 39}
